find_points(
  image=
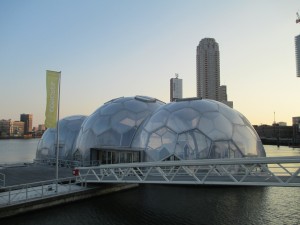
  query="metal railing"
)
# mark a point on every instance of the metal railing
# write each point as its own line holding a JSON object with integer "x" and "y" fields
{"x": 66, "y": 163}
{"x": 273, "y": 171}
{"x": 38, "y": 190}
{"x": 2, "y": 180}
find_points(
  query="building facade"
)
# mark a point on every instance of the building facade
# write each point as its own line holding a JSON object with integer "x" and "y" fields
{"x": 223, "y": 93}
{"x": 208, "y": 69}
{"x": 208, "y": 72}
{"x": 9, "y": 128}
{"x": 18, "y": 129}
{"x": 175, "y": 88}
{"x": 27, "y": 119}
{"x": 296, "y": 129}
{"x": 5, "y": 127}
{"x": 297, "y": 45}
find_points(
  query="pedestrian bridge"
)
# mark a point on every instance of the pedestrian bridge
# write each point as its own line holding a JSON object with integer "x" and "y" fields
{"x": 267, "y": 171}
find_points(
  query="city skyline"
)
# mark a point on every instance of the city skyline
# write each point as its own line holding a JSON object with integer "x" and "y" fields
{"x": 131, "y": 48}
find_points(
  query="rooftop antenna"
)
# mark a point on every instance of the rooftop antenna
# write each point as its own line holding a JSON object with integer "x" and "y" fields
{"x": 298, "y": 18}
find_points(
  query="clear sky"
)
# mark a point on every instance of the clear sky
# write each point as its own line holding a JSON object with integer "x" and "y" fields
{"x": 108, "y": 49}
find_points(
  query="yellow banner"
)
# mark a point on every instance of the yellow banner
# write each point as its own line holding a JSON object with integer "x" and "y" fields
{"x": 52, "y": 84}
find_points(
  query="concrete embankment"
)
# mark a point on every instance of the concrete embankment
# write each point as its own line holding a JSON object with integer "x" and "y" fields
{"x": 102, "y": 189}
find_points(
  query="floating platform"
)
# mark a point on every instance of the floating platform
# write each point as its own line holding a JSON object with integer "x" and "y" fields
{"x": 32, "y": 187}
{"x": 30, "y": 172}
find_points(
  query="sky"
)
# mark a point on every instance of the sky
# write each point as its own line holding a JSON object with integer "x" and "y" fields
{"x": 109, "y": 49}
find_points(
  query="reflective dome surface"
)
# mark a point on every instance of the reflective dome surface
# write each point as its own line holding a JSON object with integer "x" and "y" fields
{"x": 197, "y": 129}
{"x": 68, "y": 131}
{"x": 113, "y": 124}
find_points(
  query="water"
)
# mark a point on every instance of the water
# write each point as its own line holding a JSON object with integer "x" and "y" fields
{"x": 17, "y": 150}
{"x": 163, "y": 204}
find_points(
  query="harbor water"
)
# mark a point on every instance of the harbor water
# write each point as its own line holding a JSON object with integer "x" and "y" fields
{"x": 17, "y": 150}
{"x": 166, "y": 204}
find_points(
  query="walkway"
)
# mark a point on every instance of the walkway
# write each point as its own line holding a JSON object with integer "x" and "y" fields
{"x": 27, "y": 182}
{"x": 273, "y": 171}
{"x": 29, "y": 173}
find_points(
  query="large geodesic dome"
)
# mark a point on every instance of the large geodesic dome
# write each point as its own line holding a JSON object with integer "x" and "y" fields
{"x": 197, "y": 129}
{"x": 114, "y": 124}
{"x": 68, "y": 130}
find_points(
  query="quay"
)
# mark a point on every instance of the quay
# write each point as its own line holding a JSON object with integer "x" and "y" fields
{"x": 31, "y": 187}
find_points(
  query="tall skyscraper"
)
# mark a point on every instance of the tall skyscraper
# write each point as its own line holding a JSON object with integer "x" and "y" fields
{"x": 27, "y": 119}
{"x": 208, "y": 72}
{"x": 297, "y": 44}
{"x": 208, "y": 69}
{"x": 175, "y": 88}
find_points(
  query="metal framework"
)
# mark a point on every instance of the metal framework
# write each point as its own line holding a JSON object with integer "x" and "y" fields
{"x": 66, "y": 163}
{"x": 271, "y": 171}
{"x": 22, "y": 193}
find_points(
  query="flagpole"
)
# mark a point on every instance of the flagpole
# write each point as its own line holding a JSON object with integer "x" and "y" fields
{"x": 57, "y": 131}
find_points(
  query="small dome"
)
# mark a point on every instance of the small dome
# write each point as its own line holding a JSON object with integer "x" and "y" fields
{"x": 197, "y": 129}
{"x": 113, "y": 124}
{"x": 68, "y": 130}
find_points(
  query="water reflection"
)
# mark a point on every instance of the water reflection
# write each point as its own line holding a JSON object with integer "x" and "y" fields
{"x": 163, "y": 204}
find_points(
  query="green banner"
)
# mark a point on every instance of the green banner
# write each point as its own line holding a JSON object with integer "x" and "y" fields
{"x": 52, "y": 84}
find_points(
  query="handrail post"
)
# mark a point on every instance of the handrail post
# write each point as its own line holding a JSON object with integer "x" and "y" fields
{"x": 9, "y": 196}
{"x": 42, "y": 189}
{"x": 26, "y": 191}
{"x": 70, "y": 185}
{"x": 56, "y": 190}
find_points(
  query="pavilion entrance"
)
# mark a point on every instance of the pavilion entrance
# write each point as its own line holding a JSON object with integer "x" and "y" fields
{"x": 114, "y": 155}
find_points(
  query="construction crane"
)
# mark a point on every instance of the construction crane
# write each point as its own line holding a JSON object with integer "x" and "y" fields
{"x": 298, "y": 20}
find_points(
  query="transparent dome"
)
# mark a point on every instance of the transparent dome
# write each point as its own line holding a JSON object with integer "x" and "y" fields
{"x": 113, "y": 124}
{"x": 68, "y": 130}
{"x": 197, "y": 129}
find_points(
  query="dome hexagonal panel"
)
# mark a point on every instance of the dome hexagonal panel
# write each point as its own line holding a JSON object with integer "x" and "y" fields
{"x": 205, "y": 106}
{"x": 245, "y": 140}
{"x": 158, "y": 120}
{"x": 136, "y": 108}
{"x": 183, "y": 119}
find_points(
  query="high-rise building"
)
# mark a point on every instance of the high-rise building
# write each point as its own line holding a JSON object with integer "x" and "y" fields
{"x": 27, "y": 119}
{"x": 297, "y": 45}
{"x": 175, "y": 88}
{"x": 208, "y": 69}
{"x": 208, "y": 72}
